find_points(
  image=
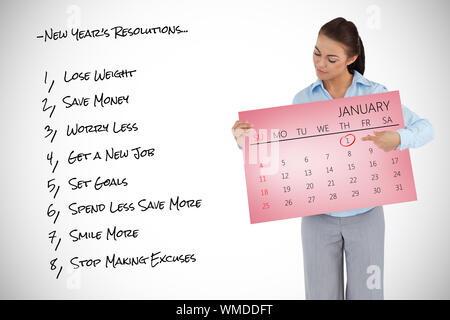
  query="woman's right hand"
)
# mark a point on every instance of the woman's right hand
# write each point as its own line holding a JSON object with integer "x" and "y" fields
{"x": 240, "y": 130}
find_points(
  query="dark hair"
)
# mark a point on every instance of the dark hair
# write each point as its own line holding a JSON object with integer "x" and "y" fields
{"x": 345, "y": 32}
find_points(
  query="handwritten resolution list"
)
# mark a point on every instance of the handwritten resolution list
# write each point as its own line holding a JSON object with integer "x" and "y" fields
{"x": 63, "y": 195}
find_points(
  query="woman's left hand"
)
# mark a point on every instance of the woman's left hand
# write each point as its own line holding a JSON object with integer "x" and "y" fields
{"x": 385, "y": 140}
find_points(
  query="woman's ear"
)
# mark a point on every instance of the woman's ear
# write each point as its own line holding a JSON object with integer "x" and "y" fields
{"x": 352, "y": 59}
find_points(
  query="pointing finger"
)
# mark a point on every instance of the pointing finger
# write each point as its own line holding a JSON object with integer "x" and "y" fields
{"x": 368, "y": 138}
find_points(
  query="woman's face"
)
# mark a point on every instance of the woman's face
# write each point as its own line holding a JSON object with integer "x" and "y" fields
{"x": 330, "y": 59}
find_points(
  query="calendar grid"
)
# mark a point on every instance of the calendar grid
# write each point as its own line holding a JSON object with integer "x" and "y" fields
{"x": 335, "y": 171}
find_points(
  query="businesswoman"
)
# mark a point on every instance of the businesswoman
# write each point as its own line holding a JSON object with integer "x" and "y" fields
{"x": 339, "y": 64}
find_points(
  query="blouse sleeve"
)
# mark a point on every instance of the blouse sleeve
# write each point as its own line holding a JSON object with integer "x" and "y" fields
{"x": 417, "y": 132}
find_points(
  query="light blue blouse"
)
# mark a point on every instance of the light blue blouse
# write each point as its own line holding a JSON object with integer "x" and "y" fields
{"x": 417, "y": 131}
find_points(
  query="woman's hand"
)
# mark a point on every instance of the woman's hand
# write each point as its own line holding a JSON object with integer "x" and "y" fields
{"x": 385, "y": 140}
{"x": 241, "y": 129}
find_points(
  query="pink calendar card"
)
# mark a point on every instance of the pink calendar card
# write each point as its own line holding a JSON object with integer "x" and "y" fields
{"x": 308, "y": 159}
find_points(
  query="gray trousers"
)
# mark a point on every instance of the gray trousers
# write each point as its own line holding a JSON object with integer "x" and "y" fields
{"x": 325, "y": 239}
